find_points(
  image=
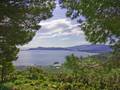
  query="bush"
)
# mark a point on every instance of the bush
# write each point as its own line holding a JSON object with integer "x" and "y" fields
{"x": 75, "y": 74}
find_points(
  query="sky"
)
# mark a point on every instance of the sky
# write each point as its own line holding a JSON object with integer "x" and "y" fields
{"x": 58, "y": 31}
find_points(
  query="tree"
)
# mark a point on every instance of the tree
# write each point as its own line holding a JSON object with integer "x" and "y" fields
{"x": 102, "y": 19}
{"x": 72, "y": 63}
{"x": 18, "y": 23}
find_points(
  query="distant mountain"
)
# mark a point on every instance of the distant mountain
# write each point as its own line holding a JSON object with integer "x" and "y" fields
{"x": 92, "y": 48}
{"x": 81, "y": 48}
{"x": 48, "y": 48}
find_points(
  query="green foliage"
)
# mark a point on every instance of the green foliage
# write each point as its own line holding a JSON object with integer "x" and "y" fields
{"x": 72, "y": 63}
{"x": 85, "y": 74}
{"x": 102, "y": 19}
{"x": 18, "y": 23}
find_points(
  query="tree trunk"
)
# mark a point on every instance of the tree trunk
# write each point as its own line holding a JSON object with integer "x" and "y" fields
{"x": 2, "y": 72}
{"x": 2, "y": 75}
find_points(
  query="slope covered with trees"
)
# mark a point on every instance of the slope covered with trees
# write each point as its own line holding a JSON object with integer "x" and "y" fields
{"x": 18, "y": 23}
{"x": 76, "y": 73}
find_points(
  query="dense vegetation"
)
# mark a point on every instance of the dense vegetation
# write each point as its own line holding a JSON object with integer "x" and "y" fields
{"x": 76, "y": 73}
{"x": 18, "y": 23}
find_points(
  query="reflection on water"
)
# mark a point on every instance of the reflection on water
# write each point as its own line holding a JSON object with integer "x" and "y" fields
{"x": 45, "y": 57}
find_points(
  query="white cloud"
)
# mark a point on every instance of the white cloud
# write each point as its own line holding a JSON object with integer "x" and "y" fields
{"x": 63, "y": 39}
{"x": 55, "y": 22}
{"x": 58, "y": 28}
{"x": 58, "y": 31}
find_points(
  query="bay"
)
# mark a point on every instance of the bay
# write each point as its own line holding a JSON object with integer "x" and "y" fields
{"x": 45, "y": 57}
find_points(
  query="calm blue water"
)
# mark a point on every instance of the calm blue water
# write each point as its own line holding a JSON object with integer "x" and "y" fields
{"x": 45, "y": 57}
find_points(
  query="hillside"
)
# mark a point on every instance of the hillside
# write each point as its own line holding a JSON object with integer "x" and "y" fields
{"x": 92, "y": 48}
{"x": 81, "y": 48}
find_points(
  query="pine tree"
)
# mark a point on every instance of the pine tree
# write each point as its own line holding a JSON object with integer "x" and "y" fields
{"x": 102, "y": 19}
{"x": 18, "y": 23}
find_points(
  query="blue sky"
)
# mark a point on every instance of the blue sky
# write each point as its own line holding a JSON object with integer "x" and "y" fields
{"x": 58, "y": 31}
